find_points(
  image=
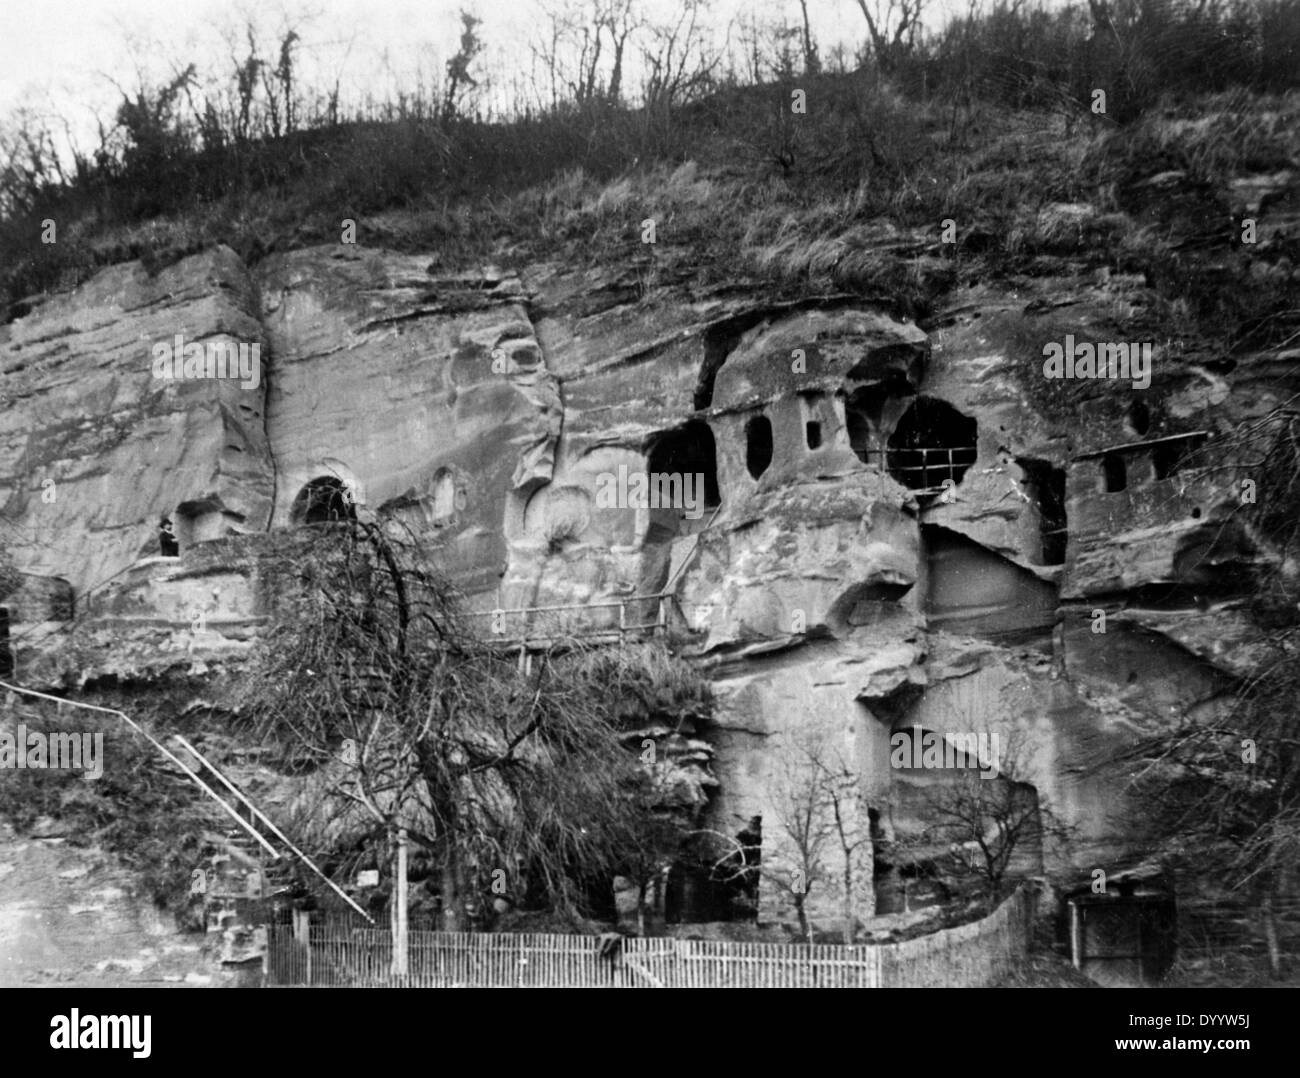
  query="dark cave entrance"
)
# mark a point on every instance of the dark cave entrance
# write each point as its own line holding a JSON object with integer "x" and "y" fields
{"x": 702, "y": 888}
{"x": 1047, "y": 488}
{"x": 864, "y": 414}
{"x": 1139, "y": 418}
{"x": 720, "y": 340}
{"x": 688, "y": 450}
{"x": 323, "y": 501}
{"x": 933, "y": 442}
{"x": 6, "y": 651}
{"x": 1114, "y": 473}
{"x": 758, "y": 445}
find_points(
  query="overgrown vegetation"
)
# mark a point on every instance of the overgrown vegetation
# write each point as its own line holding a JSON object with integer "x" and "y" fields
{"x": 148, "y": 817}
{"x": 965, "y": 123}
{"x": 1221, "y": 792}
{"x": 516, "y": 786}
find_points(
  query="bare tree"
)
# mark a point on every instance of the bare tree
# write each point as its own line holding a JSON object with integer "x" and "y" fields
{"x": 458, "y": 76}
{"x": 1228, "y": 786}
{"x": 892, "y": 27}
{"x": 982, "y": 819}
{"x": 375, "y": 684}
{"x": 811, "y": 61}
{"x": 821, "y": 834}
{"x": 680, "y": 60}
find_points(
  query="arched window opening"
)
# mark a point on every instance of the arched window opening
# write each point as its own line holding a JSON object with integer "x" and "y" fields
{"x": 758, "y": 445}
{"x": 933, "y": 442}
{"x": 323, "y": 501}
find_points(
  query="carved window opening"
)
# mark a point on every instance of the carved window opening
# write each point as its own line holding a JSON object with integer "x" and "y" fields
{"x": 1114, "y": 473}
{"x": 6, "y": 651}
{"x": 758, "y": 445}
{"x": 1139, "y": 418}
{"x": 1047, "y": 488}
{"x": 323, "y": 501}
{"x": 931, "y": 444}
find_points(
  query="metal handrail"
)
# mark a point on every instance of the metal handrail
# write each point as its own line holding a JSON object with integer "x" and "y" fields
{"x": 567, "y": 606}
{"x": 274, "y": 830}
{"x": 156, "y": 744}
{"x": 275, "y": 854}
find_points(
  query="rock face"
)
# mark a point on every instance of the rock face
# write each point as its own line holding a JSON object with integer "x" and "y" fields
{"x": 69, "y": 915}
{"x": 864, "y": 528}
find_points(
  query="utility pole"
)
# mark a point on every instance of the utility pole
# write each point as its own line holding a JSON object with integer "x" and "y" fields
{"x": 399, "y": 909}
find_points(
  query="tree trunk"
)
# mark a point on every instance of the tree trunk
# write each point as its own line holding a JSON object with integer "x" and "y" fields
{"x": 451, "y": 914}
{"x": 1270, "y": 936}
{"x": 849, "y": 917}
{"x": 805, "y": 929}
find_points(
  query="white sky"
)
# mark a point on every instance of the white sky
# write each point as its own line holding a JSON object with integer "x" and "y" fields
{"x": 60, "y": 57}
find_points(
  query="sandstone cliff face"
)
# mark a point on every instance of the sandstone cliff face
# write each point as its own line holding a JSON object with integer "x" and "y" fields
{"x": 894, "y": 527}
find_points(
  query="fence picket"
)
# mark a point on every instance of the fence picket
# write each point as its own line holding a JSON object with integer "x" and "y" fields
{"x": 339, "y": 953}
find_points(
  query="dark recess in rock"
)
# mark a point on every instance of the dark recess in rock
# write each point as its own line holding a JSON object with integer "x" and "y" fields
{"x": 932, "y": 442}
{"x": 758, "y": 445}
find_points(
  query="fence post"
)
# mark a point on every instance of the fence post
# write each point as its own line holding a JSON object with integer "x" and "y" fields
{"x": 400, "y": 937}
{"x": 302, "y": 935}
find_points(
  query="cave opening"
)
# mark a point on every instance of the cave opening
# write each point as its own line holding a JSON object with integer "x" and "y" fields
{"x": 1114, "y": 473}
{"x": 720, "y": 340}
{"x": 325, "y": 500}
{"x": 6, "y": 651}
{"x": 857, "y": 419}
{"x": 689, "y": 450}
{"x": 1139, "y": 418}
{"x": 1047, "y": 488}
{"x": 758, "y": 445}
{"x": 703, "y": 887}
{"x": 933, "y": 442}
{"x": 864, "y": 413}
{"x": 813, "y": 433}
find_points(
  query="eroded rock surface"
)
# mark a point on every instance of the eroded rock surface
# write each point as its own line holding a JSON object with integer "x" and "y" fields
{"x": 893, "y": 528}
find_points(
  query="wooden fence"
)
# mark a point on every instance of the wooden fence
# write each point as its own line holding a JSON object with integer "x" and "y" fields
{"x": 336, "y": 955}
